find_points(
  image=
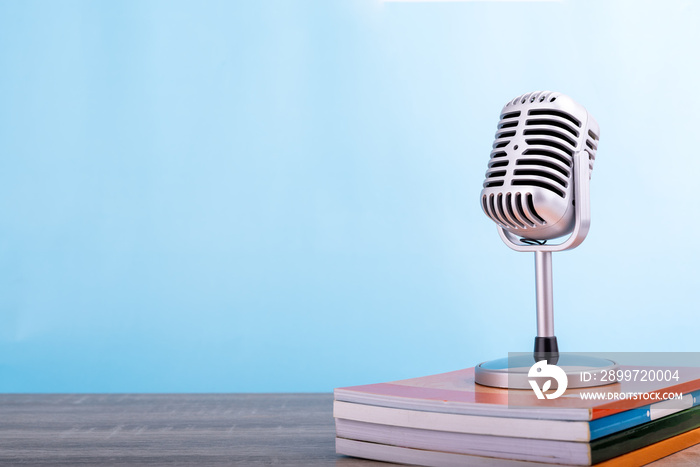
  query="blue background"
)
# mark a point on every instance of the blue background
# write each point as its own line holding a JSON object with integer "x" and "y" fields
{"x": 283, "y": 195}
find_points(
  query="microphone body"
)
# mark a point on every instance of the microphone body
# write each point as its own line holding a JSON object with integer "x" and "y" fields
{"x": 536, "y": 168}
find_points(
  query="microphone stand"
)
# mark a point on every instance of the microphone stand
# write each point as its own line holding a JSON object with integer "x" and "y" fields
{"x": 512, "y": 372}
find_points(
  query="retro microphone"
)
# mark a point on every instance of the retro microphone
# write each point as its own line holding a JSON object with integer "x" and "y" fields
{"x": 537, "y": 188}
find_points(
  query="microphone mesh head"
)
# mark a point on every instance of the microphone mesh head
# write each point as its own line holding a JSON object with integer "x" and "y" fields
{"x": 528, "y": 188}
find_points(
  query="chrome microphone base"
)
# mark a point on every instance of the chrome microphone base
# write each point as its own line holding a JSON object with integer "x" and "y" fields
{"x": 582, "y": 371}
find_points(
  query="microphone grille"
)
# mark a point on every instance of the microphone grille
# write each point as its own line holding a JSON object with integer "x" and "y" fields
{"x": 529, "y": 180}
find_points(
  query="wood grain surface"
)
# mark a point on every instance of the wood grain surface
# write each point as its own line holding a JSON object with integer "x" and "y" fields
{"x": 181, "y": 429}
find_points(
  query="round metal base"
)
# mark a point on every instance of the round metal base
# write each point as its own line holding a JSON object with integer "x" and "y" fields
{"x": 582, "y": 371}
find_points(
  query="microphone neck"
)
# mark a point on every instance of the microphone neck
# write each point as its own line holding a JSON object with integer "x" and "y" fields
{"x": 545, "y": 295}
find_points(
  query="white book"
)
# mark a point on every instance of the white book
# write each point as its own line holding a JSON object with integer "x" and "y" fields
{"x": 458, "y": 423}
{"x": 401, "y": 455}
{"x": 533, "y": 450}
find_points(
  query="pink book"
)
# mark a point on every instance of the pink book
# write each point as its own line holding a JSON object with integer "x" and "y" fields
{"x": 456, "y": 392}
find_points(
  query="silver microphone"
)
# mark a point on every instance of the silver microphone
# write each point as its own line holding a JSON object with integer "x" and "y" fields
{"x": 537, "y": 188}
{"x": 530, "y": 183}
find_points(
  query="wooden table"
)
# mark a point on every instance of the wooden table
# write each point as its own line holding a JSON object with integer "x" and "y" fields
{"x": 181, "y": 429}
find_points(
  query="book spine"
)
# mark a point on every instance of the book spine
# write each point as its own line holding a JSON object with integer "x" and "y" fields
{"x": 621, "y": 421}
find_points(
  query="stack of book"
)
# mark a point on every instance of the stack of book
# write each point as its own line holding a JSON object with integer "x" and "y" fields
{"x": 449, "y": 420}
